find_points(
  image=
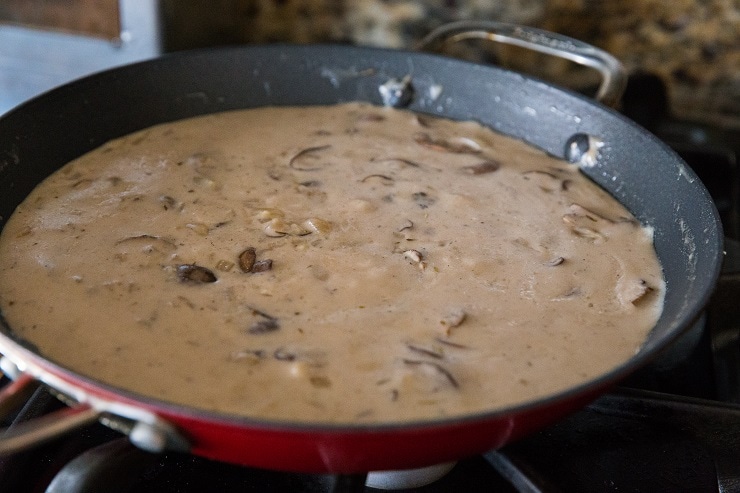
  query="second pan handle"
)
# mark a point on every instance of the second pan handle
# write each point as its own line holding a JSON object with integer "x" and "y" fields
{"x": 613, "y": 74}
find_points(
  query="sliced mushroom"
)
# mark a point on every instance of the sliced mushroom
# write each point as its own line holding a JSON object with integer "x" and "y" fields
{"x": 247, "y": 259}
{"x": 415, "y": 257}
{"x": 318, "y": 225}
{"x": 434, "y": 368}
{"x": 278, "y": 227}
{"x": 453, "y": 318}
{"x": 378, "y": 178}
{"x": 308, "y": 159}
{"x": 264, "y": 326}
{"x": 263, "y": 323}
{"x": 482, "y": 168}
{"x": 195, "y": 274}
{"x": 424, "y": 351}
{"x": 457, "y": 145}
{"x": 149, "y": 239}
{"x": 545, "y": 180}
{"x": 555, "y": 261}
{"x": 262, "y": 265}
{"x": 423, "y": 199}
{"x": 632, "y": 290}
{"x": 586, "y": 223}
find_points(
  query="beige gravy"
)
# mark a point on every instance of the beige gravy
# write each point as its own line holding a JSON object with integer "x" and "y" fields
{"x": 346, "y": 263}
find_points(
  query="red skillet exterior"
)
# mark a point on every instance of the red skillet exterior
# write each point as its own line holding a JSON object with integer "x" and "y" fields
{"x": 42, "y": 135}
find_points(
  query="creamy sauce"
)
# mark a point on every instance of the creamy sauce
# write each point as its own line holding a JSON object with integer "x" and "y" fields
{"x": 328, "y": 264}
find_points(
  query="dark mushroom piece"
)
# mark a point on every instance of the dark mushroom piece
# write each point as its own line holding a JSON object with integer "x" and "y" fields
{"x": 196, "y": 274}
{"x": 482, "y": 168}
{"x": 264, "y": 324}
{"x": 438, "y": 368}
{"x": 424, "y": 351}
{"x": 297, "y": 161}
{"x": 555, "y": 262}
{"x": 247, "y": 259}
{"x": 248, "y": 262}
{"x": 459, "y": 145}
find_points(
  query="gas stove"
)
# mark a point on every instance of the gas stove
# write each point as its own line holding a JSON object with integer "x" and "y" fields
{"x": 673, "y": 426}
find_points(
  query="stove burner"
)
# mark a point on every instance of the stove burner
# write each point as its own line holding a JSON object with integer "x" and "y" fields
{"x": 413, "y": 478}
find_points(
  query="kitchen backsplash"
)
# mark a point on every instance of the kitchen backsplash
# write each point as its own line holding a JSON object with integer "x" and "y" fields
{"x": 692, "y": 45}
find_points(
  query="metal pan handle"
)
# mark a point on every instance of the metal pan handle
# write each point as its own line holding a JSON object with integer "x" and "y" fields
{"x": 144, "y": 430}
{"x": 613, "y": 74}
{"x": 25, "y": 435}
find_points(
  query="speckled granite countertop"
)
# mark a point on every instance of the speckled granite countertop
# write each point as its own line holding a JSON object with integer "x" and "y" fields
{"x": 692, "y": 45}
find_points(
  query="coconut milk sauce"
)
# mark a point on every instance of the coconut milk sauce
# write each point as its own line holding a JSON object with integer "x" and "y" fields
{"x": 328, "y": 264}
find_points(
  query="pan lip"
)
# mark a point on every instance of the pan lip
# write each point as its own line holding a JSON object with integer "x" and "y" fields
{"x": 598, "y": 383}
{"x": 313, "y": 48}
{"x": 194, "y": 53}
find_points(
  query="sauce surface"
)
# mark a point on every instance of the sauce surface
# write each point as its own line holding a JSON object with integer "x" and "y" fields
{"x": 343, "y": 264}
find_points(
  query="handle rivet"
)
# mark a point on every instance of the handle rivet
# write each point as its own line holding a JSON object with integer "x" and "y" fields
{"x": 148, "y": 437}
{"x": 9, "y": 368}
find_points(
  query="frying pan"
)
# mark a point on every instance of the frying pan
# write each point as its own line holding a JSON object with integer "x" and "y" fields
{"x": 648, "y": 178}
